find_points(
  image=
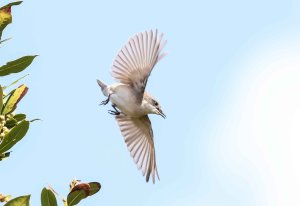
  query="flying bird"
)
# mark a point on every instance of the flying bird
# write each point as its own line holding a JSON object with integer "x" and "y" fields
{"x": 131, "y": 103}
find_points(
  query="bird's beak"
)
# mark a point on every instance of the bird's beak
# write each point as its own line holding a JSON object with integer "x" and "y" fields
{"x": 160, "y": 112}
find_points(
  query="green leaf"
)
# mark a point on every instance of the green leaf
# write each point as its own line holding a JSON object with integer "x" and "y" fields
{"x": 20, "y": 117}
{"x": 17, "y": 65}
{"x": 14, "y": 99}
{"x": 1, "y": 98}
{"x": 48, "y": 198}
{"x": 75, "y": 197}
{"x": 94, "y": 187}
{"x": 81, "y": 191}
{"x": 11, "y": 4}
{"x": 19, "y": 201}
{"x": 6, "y": 97}
{"x": 14, "y": 136}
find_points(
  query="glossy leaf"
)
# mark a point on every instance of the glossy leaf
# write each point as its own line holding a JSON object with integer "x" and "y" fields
{"x": 6, "y": 96}
{"x": 75, "y": 197}
{"x": 82, "y": 186}
{"x": 20, "y": 117}
{"x": 14, "y": 136}
{"x": 17, "y": 65}
{"x": 11, "y": 4}
{"x": 1, "y": 98}
{"x": 81, "y": 191}
{"x": 48, "y": 198}
{"x": 13, "y": 100}
{"x": 19, "y": 201}
{"x": 94, "y": 187}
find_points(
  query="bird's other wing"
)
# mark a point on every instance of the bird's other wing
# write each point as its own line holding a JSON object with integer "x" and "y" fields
{"x": 138, "y": 136}
{"x": 136, "y": 60}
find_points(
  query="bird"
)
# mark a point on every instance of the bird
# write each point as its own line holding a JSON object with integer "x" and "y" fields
{"x": 131, "y": 102}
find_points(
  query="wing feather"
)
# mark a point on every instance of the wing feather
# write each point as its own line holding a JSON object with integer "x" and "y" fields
{"x": 140, "y": 154}
{"x": 135, "y": 61}
{"x": 144, "y": 160}
{"x": 138, "y": 136}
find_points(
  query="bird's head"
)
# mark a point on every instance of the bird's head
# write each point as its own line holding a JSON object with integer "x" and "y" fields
{"x": 152, "y": 105}
{"x": 156, "y": 108}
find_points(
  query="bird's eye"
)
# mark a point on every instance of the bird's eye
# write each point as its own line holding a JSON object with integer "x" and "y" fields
{"x": 155, "y": 103}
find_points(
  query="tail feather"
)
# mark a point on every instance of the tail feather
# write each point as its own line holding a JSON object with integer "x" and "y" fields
{"x": 103, "y": 87}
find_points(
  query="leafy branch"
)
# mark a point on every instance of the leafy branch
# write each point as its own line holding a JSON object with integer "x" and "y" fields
{"x": 78, "y": 192}
{"x": 14, "y": 126}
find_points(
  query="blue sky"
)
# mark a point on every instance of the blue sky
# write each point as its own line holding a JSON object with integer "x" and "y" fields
{"x": 229, "y": 87}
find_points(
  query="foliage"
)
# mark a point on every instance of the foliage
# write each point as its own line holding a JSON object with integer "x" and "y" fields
{"x": 5, "y": 15}
{"x": 48, "y": 197}
{"x": 78, "y": 192}
{"x": 16, "y": 66}
{"x": 14, "y": 126}
{"x": 19, "y": 201}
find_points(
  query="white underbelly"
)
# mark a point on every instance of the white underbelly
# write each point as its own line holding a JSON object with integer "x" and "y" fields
{"x": 124, "y": 98}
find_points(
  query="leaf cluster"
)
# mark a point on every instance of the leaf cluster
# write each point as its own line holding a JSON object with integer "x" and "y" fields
{"x": 14, "y": 126}
{"x": 78, "y": 192}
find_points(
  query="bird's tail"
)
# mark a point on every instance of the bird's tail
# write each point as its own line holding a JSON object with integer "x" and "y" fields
{"x": 103, "y": 87}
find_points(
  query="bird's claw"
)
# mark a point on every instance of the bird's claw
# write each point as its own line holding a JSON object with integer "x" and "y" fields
{"x": 105, "y": 102}
{"x": 114, "y": 112}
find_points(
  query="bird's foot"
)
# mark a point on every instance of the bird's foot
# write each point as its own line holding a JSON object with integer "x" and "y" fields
{"x": 114, "y": 112}
{"x": 105, "y": 102}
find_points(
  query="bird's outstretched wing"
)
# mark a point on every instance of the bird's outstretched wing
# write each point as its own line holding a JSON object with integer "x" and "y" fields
{"x": 136, "y": 60}
{"x": 138, "y": 136}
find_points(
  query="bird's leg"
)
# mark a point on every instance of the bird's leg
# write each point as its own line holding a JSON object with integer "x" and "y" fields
{"x": 105, "y": 101}
{"x": 116, "y": 112}
{"x": 115, "y": 108}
